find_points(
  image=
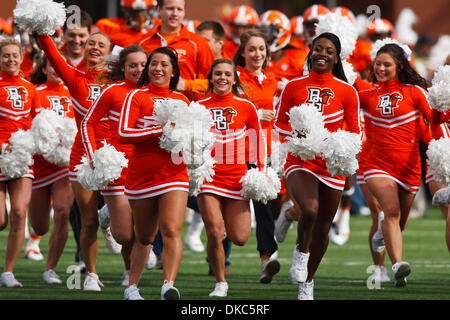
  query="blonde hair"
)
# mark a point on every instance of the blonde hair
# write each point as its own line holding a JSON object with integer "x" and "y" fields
{"x": 10, "y": 41}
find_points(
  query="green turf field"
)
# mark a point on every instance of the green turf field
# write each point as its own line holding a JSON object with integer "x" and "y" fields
{"x": 342, "y": 274}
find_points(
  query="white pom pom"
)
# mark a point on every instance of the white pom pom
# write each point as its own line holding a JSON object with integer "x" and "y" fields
{"x": 278, "y": 156}
{"x": 168, "y": 110}
{"x": 307, "y": 122}
{"x": 340, "y": 151}
{"x": 17, "y": 154}
{"x": 342, "y": 27}
{"x": 439, "y": 92}
{"x": 108, "y": 165}
{"x": 439, "y": 159}
{"x": 44, "y": 131}
{"x": 260, "y": 186}
{"x": 403, "y": 27}
{"x": 439, "y": 52}
{"x": 198, "y": 174}
{"x": 42, "y": 16}
{"x": 381, "y": 43}
{"x": 350, "y": 73}
{"x": 54, "y": 136}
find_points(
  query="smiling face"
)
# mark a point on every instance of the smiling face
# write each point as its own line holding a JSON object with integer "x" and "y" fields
{"x": 75, "y": 40}
{"x": 323, "y": 56}
{"x": 11, "y": 59}
{"x": 134, "y": 66}
{"x": 222, "y": 78}
{"x": 254, "y": 54}
{"x": 160, "y": 70}
{"x": 385, "y": 68}
{"x": 96, "y": 46}
{"x": 172, "y": 14}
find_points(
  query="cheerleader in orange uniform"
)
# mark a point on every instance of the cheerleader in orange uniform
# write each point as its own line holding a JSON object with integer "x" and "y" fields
{"x": 125, "y": 74}
{"x": 220, "y": 202}
{"x": 51, "y": 182}
{"x": 84, "y": 89}
{"x": 393, "y": 170}
{"x": 251, "y": 60}
{"x": 441, "y": 119}
{"x": 18, "y": 102}
{"x": 309, "y": 182}
{"x": 157, "y": 182}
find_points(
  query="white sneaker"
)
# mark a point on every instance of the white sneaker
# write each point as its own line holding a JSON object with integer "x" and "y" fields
{"x": 92, "y": 283}
{"x": 152, "y": 260}
{"x": 169, "y": 292}
{"x": 441, "y": 197}
{"x": 380, "y": 274}
{"x": 126, "y": 279}
{"x": 299, "y": 269}
{"x": 220, "y": 290}
{"x": 33, "y": 255}
{"x": 51, "y": 277}
{"x": 269, "y": 268}
{"x": 306, "y": 291}
{"x": 194, "y": 243}
{"x": 282, "y": 224}
{"x": 104, "y": 219}
{"x": 110, "y": 243}
{"x": 8, "y": 280}
{"x": 401, "y": 271}
{"x": 132, "y": 293}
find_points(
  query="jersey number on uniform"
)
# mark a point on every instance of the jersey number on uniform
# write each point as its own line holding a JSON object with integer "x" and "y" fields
{"x": 319, "y": 97}
{"x": 388, "y": 102}
{"x": 223, "y": 117}
{"x": 17, "y": 96}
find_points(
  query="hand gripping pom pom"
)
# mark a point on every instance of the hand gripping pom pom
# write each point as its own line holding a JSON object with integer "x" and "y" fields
{"x": 41, "y": 16}
{"x": 340, "y": 151}
{"x": 438, "y": 154}
{"x": 260, "y": 186}
{"x": 439, "y": 92}
{"x": 108, "y": 166}
{"x": 307, "y": 122}
{"x": 17, "y": 155}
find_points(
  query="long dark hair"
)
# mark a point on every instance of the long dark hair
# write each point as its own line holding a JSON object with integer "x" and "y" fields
{"x": 38, "y": 76}
{"x": 338, "y": 70}
{"x": 171, "y": 53}
{"x": 116, "y": 74}
{"x": 406, "y": 74}
{"x": 238, "y": 59}
{"x": 236, "y": 88}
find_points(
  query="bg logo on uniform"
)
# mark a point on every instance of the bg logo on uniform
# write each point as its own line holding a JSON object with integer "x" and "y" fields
{"x": 18, "y": 97}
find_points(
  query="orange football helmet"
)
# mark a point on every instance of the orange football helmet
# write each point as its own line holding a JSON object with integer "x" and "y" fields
{"x": 277, "y": 27}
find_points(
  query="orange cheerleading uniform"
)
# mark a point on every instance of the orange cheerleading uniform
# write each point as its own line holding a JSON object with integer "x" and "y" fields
{"x": 18, "y": 104}
{"x": 261, "y": 92}
{"x": 336, "y": 99}
{"x": 55, "y": 97}
{"x": 395, "y": 111}
{"x": 109, "y": 104}
{"x": 84, "y": 89}
{"x": 152, "y": 171}
{"x": 194, "y": 53}
{"x": 234, "y": 120}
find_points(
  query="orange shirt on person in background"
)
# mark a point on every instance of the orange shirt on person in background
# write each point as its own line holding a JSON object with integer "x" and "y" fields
{"x": 261, "y": 93}
{"x": 194, "y": 53}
